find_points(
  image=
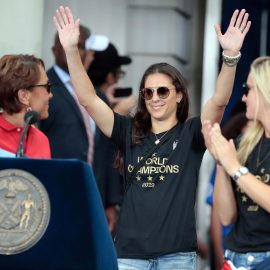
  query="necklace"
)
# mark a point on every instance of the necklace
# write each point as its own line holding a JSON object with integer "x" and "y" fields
{"x": 157, "y": 141}
{"x": 258, "y": 161}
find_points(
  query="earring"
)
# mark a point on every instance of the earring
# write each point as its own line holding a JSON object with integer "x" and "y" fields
{"x": 29, "y": 109}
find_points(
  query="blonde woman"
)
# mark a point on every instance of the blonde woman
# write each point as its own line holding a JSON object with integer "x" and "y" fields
{"x": 242, "y": 190}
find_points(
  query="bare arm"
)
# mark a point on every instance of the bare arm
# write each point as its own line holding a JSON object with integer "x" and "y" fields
{"x": 256, "y": 189}
{"x": 224, "y": 199}
{"x": 231, "y": 43}
{"x": 68, "y": 31}
{"x": 216, "y": 236}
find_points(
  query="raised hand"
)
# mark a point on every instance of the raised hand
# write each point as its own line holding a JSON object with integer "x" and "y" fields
{"x": 67, "y": 28}
{"x": 232, "y": 40}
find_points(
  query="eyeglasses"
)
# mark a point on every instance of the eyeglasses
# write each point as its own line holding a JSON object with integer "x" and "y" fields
{"x": 48, "y": 86}
{"x": 162, "y": 92}
{"x": 246, "y": 88}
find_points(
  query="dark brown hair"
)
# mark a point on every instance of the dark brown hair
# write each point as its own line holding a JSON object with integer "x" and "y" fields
{"x": 17, "y": 72}
{"x": 142, "y": 119}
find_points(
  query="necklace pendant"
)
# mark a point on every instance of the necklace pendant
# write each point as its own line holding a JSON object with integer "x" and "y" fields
{"x": 157, "y": 141}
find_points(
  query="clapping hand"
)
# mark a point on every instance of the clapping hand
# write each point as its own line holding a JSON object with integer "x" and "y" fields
{"x": 67, "y": 28}
{"x": 232, "y": 40}
{"x": 222, "y": 150}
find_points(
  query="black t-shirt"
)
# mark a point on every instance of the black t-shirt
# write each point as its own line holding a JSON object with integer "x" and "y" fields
{"x": 251, "y": 233}
{"x": 157, "y": 215}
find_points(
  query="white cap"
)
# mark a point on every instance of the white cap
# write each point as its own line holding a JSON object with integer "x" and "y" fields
{"x": 97, "y": 43}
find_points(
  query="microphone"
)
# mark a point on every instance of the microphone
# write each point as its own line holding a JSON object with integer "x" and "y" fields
{"x": 30, "y": 118}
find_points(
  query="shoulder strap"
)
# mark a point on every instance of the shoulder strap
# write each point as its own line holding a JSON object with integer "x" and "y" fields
{"x": 146, "y": 155}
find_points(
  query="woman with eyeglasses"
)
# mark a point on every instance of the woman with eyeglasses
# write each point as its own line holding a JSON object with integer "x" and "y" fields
{"x": 162, "y": 150}
{"x": 242, "y": 190}
{"x": 24, "y": 87}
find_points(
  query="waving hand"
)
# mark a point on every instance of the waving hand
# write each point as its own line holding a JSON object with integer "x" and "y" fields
{"x": 67, "y": 28}
{"x": 232, "y": 39}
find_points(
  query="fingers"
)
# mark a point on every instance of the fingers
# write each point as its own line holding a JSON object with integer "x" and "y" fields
{"x": 206, "y": 130}
{"x": 232, "y": 144}
{"x": 241, "y": 21}
{"x": 218, "y": 30}
{"x": 218, "y": 145}
{"x": 240, "y": 18}
{"x": 208, "y": 138}
{"x": 69, "y": 15}
{"x": 233, "y": 19}
{"x": 216, "y": 136}
{"x": 216, "y": 127}
{"x": 208, "y": 127}
{"x": 217, "y": 139}
{"x": 58, "y": 27}
{"x": 246, "y": 29}
{"x": 59, "y": 17}
{"x": 63, "y": 17}
{"x": 245, "y": 24}
{"x": 77, "y": 23}
{"x": 207, "y": 124}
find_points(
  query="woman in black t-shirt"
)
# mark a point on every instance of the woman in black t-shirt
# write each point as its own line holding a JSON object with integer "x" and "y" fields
{"x": 245, "y": 200}
{"x": 156, "y": 228}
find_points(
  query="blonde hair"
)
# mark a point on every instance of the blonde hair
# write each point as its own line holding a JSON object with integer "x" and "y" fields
{"x": 260, "y": 72}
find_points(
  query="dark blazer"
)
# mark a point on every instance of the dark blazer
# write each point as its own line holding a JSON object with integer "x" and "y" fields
{"x": 65, "y": 126}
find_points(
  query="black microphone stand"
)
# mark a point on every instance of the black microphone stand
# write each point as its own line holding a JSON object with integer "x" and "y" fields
{"x": 30, "y": 118}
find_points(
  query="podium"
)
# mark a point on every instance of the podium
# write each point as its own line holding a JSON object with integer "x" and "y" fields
{"x": 77, "y": 236}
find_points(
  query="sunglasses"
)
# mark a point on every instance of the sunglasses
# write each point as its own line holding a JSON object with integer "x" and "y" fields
{"x": 48, "y": 86}
{"x": 246, "y": 88}
{"x": 162, "y": 92}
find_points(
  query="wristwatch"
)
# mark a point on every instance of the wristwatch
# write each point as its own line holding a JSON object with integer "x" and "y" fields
{"x": 241, "y": 171}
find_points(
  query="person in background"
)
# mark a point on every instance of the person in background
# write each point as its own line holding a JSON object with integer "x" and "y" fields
{"x": 162, "y": 150}
{"x": 105, "y": 72}
{"x": 70, "y": 130}
{"x": 66, "y": 119}
{"x": 93, "y": 44}
{"x": 242, "y": 188}
{"x": 24, "y": 86}
{"x": 233, "y": 128}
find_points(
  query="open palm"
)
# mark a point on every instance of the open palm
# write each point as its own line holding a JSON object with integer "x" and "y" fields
{"x": 68, "y": 29}
{"x": 233, "y": 38}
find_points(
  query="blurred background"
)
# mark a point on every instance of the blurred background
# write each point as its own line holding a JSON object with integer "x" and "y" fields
{"x": 180, "y": 32}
